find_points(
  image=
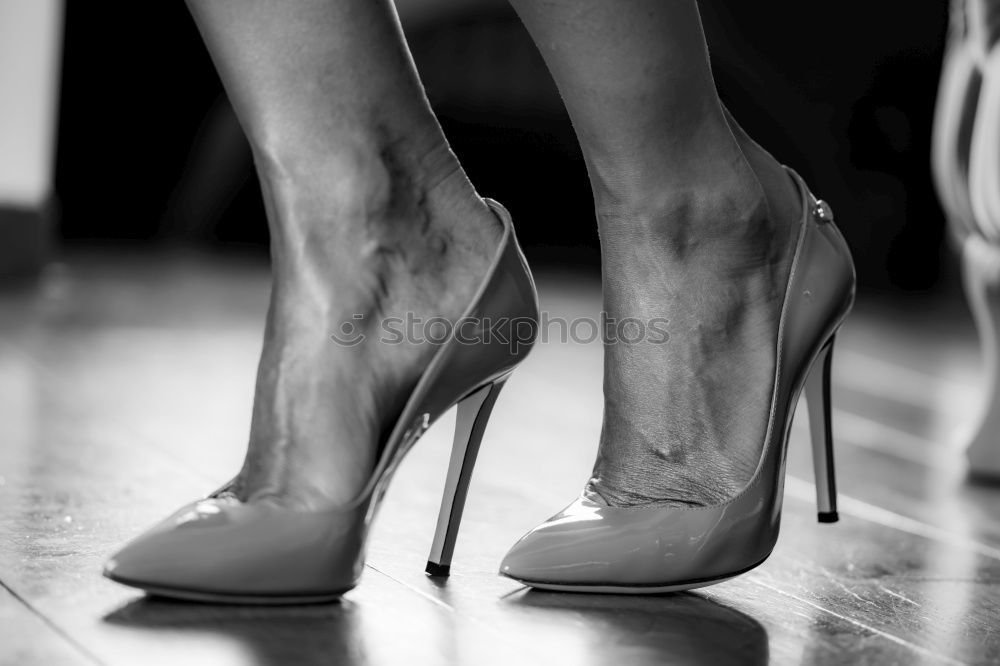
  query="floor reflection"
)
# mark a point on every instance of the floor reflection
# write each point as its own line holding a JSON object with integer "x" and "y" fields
{"x": 676, "y": 629}
{"x": 265, "y": 636}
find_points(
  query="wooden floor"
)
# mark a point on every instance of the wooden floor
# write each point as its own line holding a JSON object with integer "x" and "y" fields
{"x": 125, "y": 388}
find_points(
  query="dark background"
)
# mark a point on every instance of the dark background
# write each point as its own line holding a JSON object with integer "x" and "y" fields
{"x": 844, "y": 92}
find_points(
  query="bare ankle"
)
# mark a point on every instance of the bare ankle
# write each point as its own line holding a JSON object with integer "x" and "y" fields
{"x": 372, "y": 196}
{"x": 687, "y": 224}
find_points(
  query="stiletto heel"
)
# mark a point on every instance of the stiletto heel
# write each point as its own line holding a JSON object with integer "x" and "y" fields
{"x": 821, "y": 428}
{"x": 224, "y": 549}
{"x": 591, "y": 546}
{"x": 470, "y": 423}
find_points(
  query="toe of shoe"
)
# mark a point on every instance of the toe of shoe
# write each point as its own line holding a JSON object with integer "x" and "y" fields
{"x": 213, "y": 548}
{"x": 551, "y": 554}
{"x": 165, "y": 555}
{"x": 587, "y": 545}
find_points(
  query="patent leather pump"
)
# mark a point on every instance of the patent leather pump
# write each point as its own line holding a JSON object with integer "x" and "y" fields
{"x": 593, "y": 547}
{"x": 222, "y": 549}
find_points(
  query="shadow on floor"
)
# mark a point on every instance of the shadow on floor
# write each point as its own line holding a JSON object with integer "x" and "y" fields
{"x": 320, "y": 634}
{"x": 676, "y": 629}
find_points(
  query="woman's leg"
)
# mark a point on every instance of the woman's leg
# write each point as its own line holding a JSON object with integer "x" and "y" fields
{"x": 369, "y": 212}
{"x": 697, "y": 226}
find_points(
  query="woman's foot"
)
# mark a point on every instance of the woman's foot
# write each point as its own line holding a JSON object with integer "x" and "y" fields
{"x": 384, "y": 232}
{"x": 685, "y": 419}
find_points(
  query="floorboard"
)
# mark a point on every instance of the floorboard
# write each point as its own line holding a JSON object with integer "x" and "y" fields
{"x": 125, "y": 387}
{"x": 27, "y": 639}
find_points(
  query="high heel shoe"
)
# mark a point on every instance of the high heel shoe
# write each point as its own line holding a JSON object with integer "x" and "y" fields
{"x": 222, "y": 549}
{"x": 593, "y": 547}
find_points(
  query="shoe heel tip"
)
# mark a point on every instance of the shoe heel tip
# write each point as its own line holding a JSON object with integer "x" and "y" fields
{"x": 828, "y": 516}
{"x": 434, "y": 569}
